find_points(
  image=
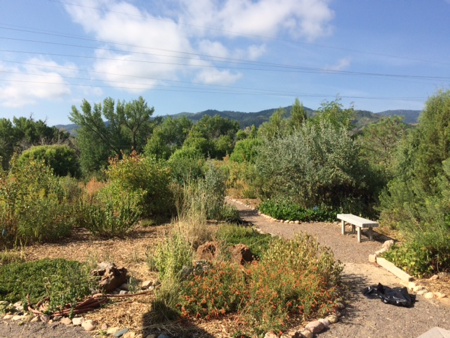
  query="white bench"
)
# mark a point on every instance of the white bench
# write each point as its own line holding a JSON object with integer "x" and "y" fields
{"x": 359, "y": 222}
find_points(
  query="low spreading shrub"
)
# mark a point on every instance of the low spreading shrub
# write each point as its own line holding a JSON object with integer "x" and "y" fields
{"x": 62, "y": 282}
{"x": 293, "y": 277}
{"x": 287, "y": 211}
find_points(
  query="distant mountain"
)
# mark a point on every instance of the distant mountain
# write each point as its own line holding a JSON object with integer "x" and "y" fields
{"x": 362, "y": 117}
{"x": 411, "y": 116}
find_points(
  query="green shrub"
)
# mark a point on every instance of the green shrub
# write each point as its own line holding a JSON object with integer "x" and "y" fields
{"x": 134, "y": 174}
{"x": 61, "y": 158}
{"x": 63, "y": 282}
{"x": 33, "y": 205}
{"x": 186, "y": 165}
{"x": 169, "y": 257}
{"x": 287, "y": 211}
{"x": 235, "y": 234}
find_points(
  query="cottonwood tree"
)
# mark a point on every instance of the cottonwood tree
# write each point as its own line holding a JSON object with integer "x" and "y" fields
{"x": 109, "y": 129}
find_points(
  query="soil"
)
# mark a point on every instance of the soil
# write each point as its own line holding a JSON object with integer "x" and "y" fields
{"x": 361, "y": 318}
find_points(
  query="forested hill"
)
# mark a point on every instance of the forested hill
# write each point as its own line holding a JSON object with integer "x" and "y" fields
{"x": 362, "y": 117}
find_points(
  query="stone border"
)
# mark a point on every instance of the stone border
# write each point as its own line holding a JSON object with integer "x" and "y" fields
{"x": 406, "y": 279}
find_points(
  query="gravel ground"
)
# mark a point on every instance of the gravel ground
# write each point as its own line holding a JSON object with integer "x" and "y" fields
{"x": 363, "y": 317}
{"x": 10, "y": 329}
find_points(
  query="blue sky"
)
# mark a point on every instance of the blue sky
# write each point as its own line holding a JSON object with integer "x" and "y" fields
{"x": 241, "y": 55}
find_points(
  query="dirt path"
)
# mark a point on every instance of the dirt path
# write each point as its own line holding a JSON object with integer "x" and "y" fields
{"x": 362, "y": 317}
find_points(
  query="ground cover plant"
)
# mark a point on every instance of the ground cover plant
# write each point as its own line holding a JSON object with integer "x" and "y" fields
{"x": 59, "y": 281}
{"x": 287, "y": 211}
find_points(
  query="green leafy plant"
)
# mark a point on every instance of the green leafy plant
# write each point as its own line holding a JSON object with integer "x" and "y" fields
{"x": 62, "y": 282}
{"x": 287, "y": 211}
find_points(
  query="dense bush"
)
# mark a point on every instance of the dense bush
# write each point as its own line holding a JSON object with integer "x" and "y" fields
{"x": 318, "y": 164}
{"x": 34, "y": 207}
{"x": 61, "y": 158}
{"x": 294, "y": 277}
{"x": 62, "y": 282}
{"x": 149, "y": 176}
{"x": 291, "y": 212}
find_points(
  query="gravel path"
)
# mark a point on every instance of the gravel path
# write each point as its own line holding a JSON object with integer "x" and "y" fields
{"x": 365, "y": 318}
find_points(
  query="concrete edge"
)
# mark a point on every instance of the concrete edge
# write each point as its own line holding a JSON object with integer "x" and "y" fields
{"x": 394, "y": 270}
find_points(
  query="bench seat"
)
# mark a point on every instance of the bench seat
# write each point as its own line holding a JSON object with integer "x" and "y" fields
{"x": 358, "y": 222}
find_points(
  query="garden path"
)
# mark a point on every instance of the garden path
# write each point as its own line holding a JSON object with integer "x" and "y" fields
{"x": 368, "y": 318}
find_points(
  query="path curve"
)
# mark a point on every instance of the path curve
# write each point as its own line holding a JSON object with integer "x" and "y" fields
{"x": 363, "y": 317}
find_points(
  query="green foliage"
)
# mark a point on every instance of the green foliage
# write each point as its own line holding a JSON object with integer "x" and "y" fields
{"x": 63, "y": 282}
{"x": 33, "y": 205}
{"x": 234, "y": 234}
{"x": 316, "y": 165}
{"x": 186, "y": 164}
{"x": 294, "y": 277}
{"x": 61, "y": 158}
{"x": 144, "y": 176}
{"x": 298, "y": 115}
{"x": 22, "y": 133}
{"x": 127, "y": 128}
{"x": 113, "y": 213}
{"x": 246, "y": 150}
{"x": 275, "y": 127}
{"x": 332, "y": 113}
{"x": 170, "y": 256}
{"x": 287, "y": 211}
{"x": 168, "y": 137}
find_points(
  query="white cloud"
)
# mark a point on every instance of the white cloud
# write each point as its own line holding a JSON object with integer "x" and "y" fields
{"x": 340, "y": 65}
{"x": 38, "y": 79}
{"x": 217, "y": 77}
{"x": 159, "y": 43}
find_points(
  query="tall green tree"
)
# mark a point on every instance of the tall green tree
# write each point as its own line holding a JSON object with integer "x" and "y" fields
{"x": 109, "y": 130}
{"x": 298, "y": 115}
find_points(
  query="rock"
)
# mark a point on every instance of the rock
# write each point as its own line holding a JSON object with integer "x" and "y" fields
{"x": 44, "y": 318}
{"x": 388, "y": 244}
{"x": 208, "y": 251}
{"x": 418, "y": 288}
{"x": 111, "y": 277}
{"x": 372, "y": 258}
{"x": 129, "y": 334}
{"x": 422, "y": 292}
{"x": 8, "y": 317}
{"x": 151, "y": 336}
{"x": 381, "y": 251}
{"x": 440, "y": 295}
{"x": 428, "y": 295}
{"x": 112, "y": 330}
{"x": 77, "y": 321}
{"x": 124, "y": 286}
{"x": 123, "y": 292}
{"x": 333, "y": 319}
{"x": 66, "y": 321}
{"x": 340, "y": 305}
{"x": 411, "y": 285}
{"x": 270, "y": 335}
{"x": 104, "y": 327}
{"x": 241, "y": 254}
{"x": 162, "y": 335}
{"x": 18, "y": 306}
{"x": 434, "y": 277}
{"x": 88, "y": 325}
{"x": 120, "y": 333}
{"x": 17, "y": 317}
{"x": 146, "y": 284}
{"x": 306, "y": 333}
{"x": 315, "y": 327}
{"x": 325, "y": 322}
{"x": 34, "y": 319}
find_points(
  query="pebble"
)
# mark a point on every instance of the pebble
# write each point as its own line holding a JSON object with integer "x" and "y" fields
{"x": 270, "y": 335}
{"x": 332, "y": 319}
{"x": 315, "y": 326}
{"x": 120, "y": 333}
{"x": 422, "y": 292}
{"x": 129, "y": 334}
{"x": 440, "y": 295}
{"x": 147, "y": 284}
{"x": 88, "y": 325}
{"x": 8, "y": 317}
{"x": 34, "y": 319}
{"x": 77, "y": 321}
{"x": 104, "y": 327}
{"x": 112, "y": 330}
{"x": 66, "y": 321}
{"x": 428, "y": 295}
{"x": 123, "y": 292}
{"x": 306, "y": 333}
{"x": 17, "y": 317}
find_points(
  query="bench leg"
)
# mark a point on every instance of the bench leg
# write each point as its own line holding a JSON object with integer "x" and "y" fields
{"x": 353, "y": 229}
{"x": 359, "y": 234}
{"x": 370, "y": 233}
{"x": 343, "y": 227}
